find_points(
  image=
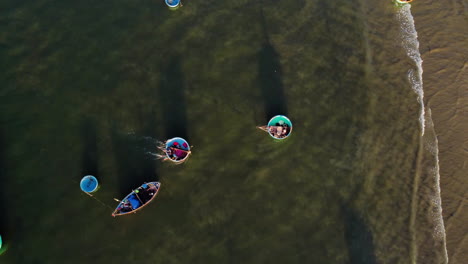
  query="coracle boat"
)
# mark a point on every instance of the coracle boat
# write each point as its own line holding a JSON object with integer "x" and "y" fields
{"x": 177, "y": 149}
{"x": 279, "y": 127}
{"x": 137, "y": 199}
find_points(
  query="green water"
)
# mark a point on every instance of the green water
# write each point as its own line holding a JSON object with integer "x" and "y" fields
{"x": 88, "y": 87}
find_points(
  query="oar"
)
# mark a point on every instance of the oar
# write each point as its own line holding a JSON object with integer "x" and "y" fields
{"x": 136, "y": 194}
{"x": 186, "y": 151}
{"x": 88, "y": 194}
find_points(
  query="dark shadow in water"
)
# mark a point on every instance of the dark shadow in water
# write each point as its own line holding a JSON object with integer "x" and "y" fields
{"x": 358, "y": 238}
{"x": 271, "y": 80}
{"x": 172, "y": 99}
{"x": 90, "y": 154}
{"x": 134, "y": 165}
{"x": 3, "y": 199}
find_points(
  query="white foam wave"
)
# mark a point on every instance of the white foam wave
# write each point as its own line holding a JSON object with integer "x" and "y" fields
{"x": 410, "y": 43}
{"x": 433, "y": 147}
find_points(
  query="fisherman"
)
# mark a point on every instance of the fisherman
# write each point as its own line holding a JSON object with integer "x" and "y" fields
{"x": 179, "y": 153}
{"x": 279, "y": 131}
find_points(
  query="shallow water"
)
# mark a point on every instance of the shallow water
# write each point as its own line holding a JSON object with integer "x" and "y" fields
{"x": 89, "y": 88}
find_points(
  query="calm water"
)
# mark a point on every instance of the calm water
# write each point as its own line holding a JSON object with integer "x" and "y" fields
{"x": 88, "y": 87}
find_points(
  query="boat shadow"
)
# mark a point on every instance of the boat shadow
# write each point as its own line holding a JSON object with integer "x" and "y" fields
{"x": 172, "y": 99}
{"x": 270, "y": 76}
{"x": 135, "y": 165}
{"x": 271, "y": 81}
{"x": 358, "y": 238}
{"x": 3, "y": 199}
{"x": 89, "y": 163}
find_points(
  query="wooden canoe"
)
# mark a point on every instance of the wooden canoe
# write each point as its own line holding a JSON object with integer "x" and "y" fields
{"x": 137, "y": 199}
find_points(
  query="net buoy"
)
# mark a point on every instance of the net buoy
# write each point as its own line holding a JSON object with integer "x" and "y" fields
{"x": 89, "y": 184}
{"x": 173, "y": 4}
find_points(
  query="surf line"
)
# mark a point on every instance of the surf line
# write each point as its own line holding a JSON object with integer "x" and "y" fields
{"x": 438, "y": 218}
{"x": 410, "y": 43}
{"x": 428, "y": 143}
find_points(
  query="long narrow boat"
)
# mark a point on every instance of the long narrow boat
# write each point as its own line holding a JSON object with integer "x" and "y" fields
{"x": 137, "y": 199}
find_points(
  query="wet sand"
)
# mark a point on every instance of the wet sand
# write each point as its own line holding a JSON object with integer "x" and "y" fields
{"x": 442, "y": 34}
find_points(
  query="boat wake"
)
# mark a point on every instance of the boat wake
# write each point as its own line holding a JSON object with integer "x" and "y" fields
{"x": 410, "y": 43}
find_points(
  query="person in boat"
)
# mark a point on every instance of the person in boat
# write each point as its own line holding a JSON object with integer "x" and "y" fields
{"x": 178, "y": 153}
{"x": 175, "y": 151}
{"x": 279, "y": 131}
{"x": 126, "y": 207}
{"x": 169, "y": 152}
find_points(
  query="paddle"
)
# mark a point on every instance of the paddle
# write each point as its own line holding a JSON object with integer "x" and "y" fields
{"x": 136, "y": 194}
{"x": 186, "y": 151}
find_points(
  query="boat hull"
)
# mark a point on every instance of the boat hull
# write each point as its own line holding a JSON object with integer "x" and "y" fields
{"x": 137, "y": 199}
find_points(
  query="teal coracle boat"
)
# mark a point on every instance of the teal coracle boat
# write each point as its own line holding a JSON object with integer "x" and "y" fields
{"x": 279, "y": 127}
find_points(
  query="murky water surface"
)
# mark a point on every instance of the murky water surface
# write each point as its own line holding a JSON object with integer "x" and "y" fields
{"x": 90, "y": 87}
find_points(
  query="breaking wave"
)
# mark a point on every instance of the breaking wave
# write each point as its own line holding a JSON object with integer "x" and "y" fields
{"x": 410, "y": 43}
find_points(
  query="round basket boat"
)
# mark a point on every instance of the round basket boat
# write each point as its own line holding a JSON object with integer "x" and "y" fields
{"x": 173, "y": 4}
{"x": 279, "y": 127}
{"x": 89, "y": 184}
{"x": 177, "y": 149}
